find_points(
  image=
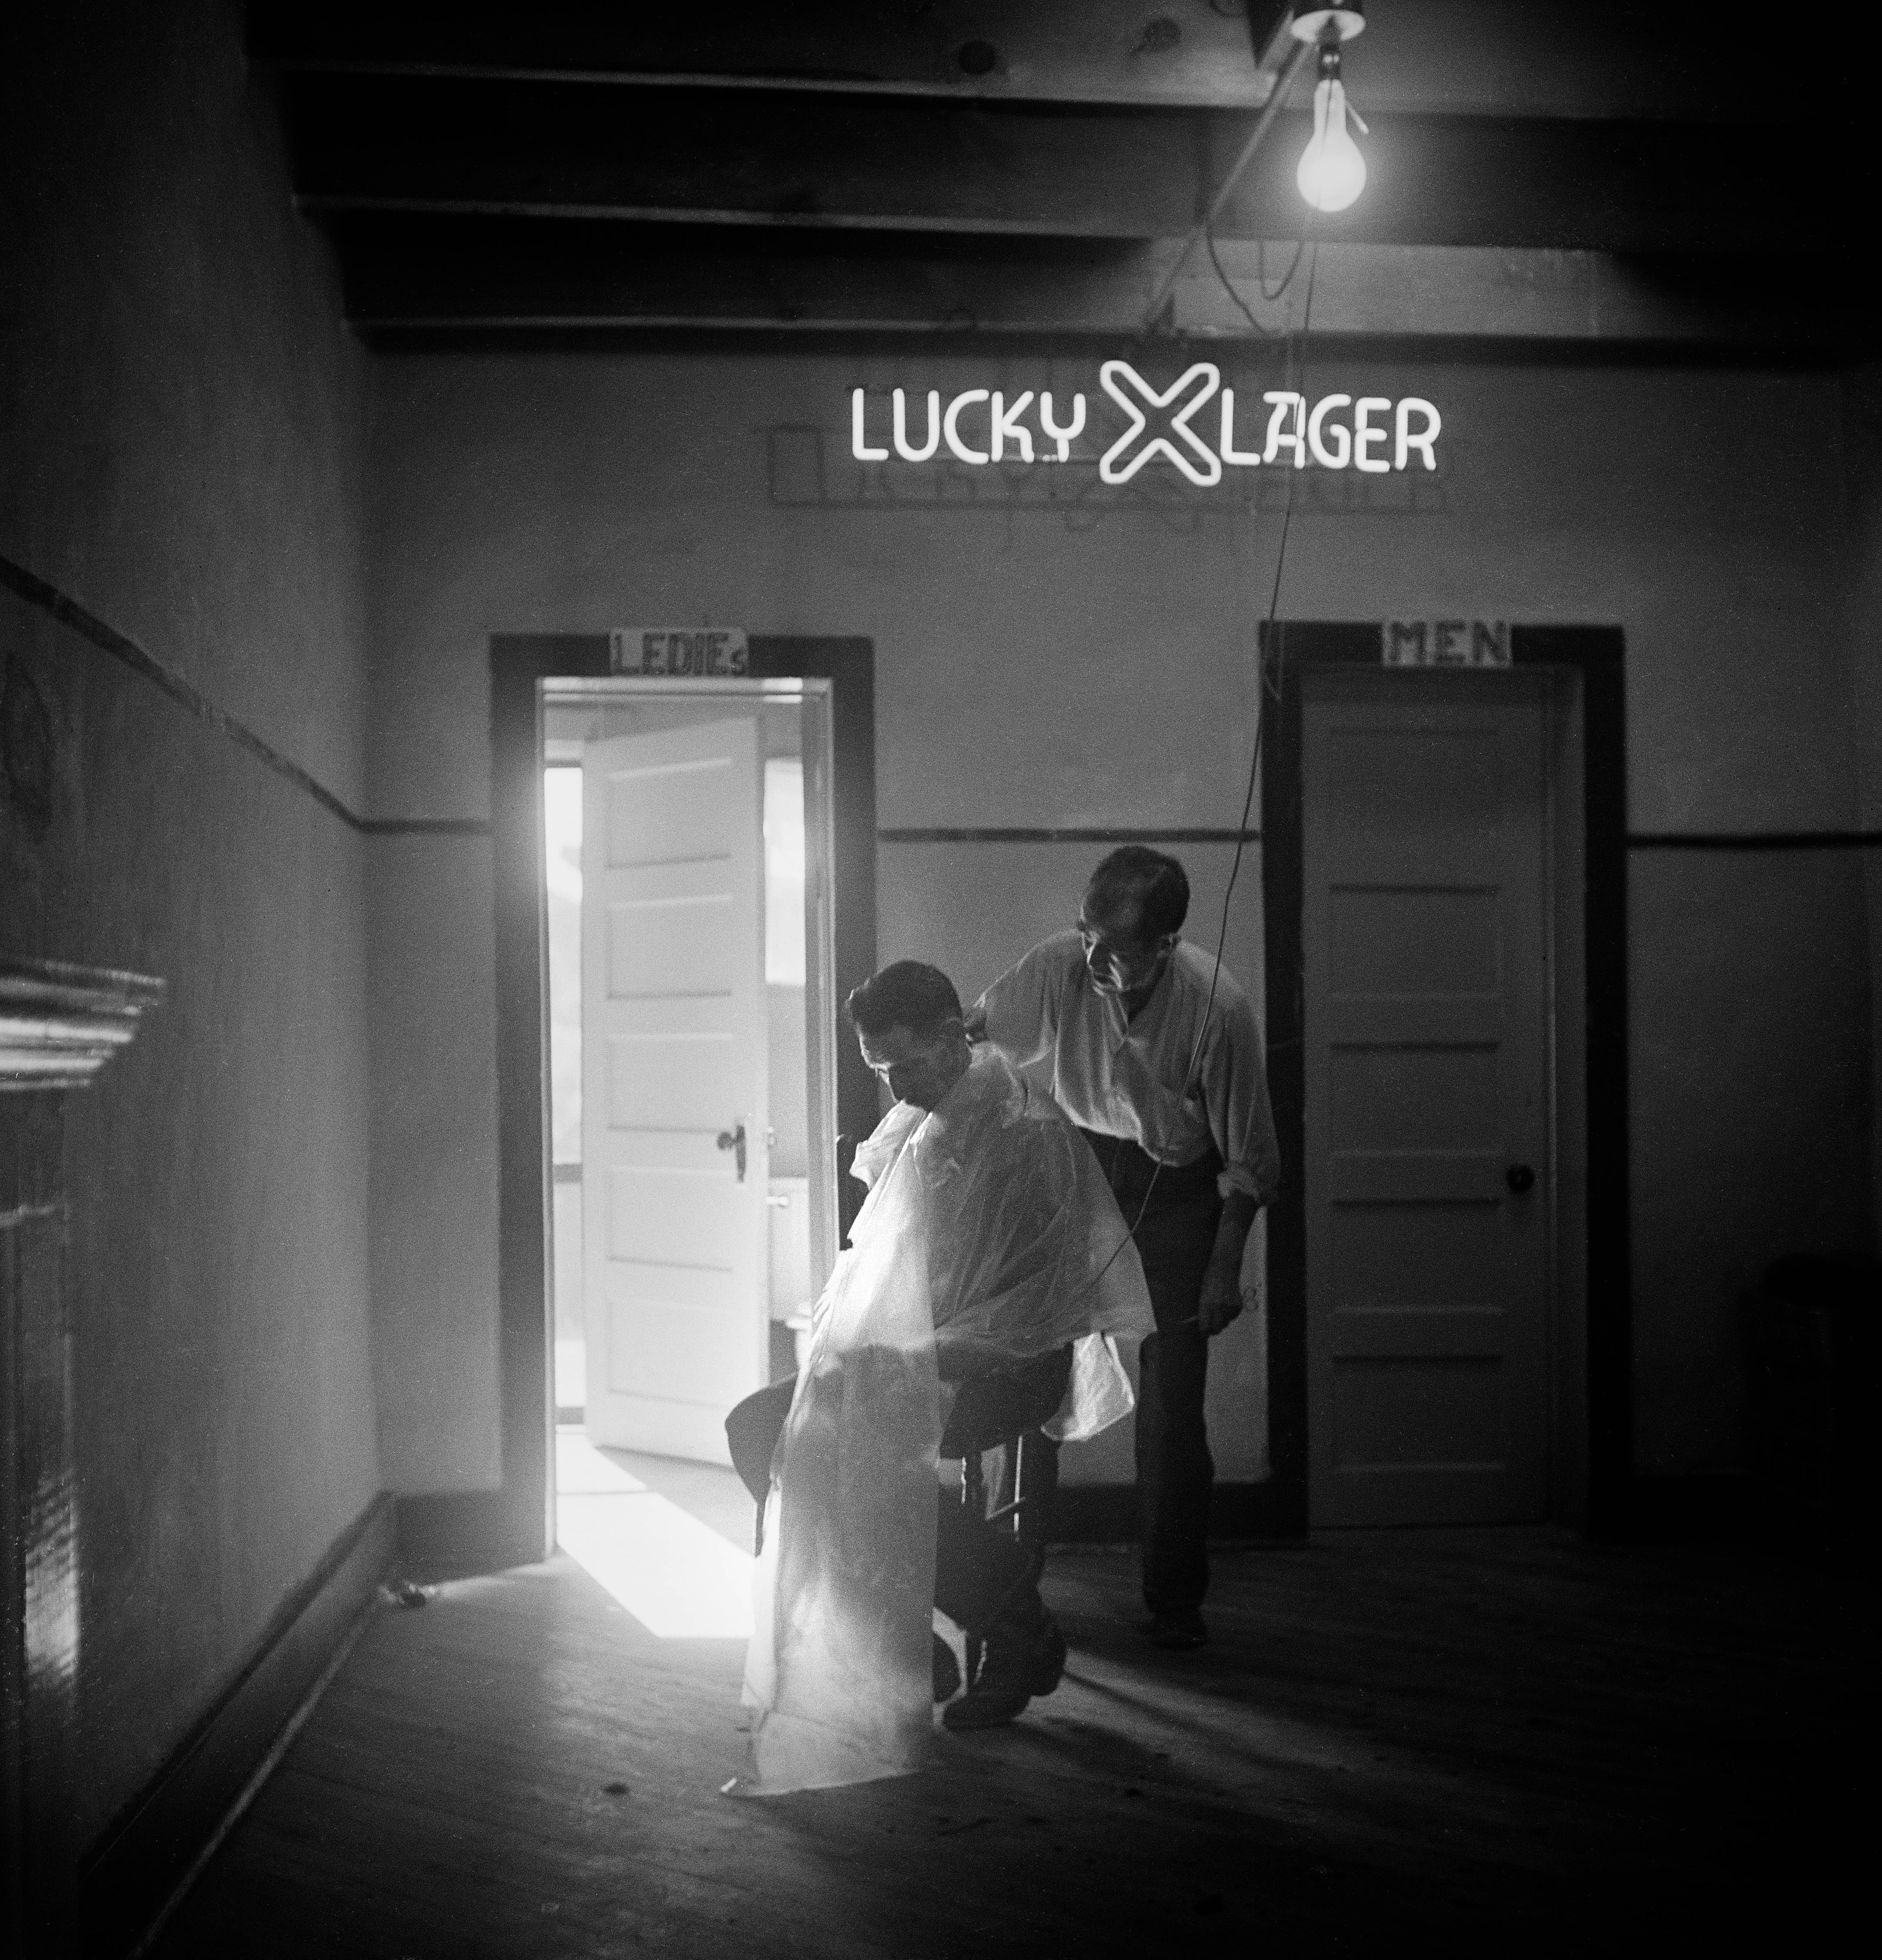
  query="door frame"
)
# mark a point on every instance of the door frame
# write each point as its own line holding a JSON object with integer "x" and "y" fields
{"x": 1590, "y": 1443}
{"x": 516, "y": 1523}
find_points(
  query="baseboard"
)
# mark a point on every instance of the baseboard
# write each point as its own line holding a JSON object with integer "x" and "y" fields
{"x": 140, "y": 1864}
{"x": 453, "y": 1533}
{"x": 1106, "y": 1514}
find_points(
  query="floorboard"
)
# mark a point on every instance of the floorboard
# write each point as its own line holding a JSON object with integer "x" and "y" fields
{"x": 1481, "y": 1738}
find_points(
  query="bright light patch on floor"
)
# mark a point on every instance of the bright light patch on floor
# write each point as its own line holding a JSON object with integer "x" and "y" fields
{"x": 678, "y": 1576}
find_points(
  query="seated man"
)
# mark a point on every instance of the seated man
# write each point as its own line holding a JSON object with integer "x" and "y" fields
{"x": 986, "y": 1270}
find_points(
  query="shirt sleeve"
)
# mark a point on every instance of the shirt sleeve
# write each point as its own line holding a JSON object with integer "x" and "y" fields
{"x": 1241, "y": 1119}
{"x": 1020, "y": 1007}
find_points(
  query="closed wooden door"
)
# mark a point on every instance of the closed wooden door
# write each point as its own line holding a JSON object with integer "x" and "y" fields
{"x": 674, "y": 1143}
{"x": 1428, "y": 1121}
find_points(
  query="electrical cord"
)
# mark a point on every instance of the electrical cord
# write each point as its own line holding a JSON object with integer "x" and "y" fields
{"x": 1261, "y": 280}
{"x": 1309, "y": 245}
{"x": 1298, "y": 350}
{"x": 1228, "y": 286}
{"x": 1287, "y": 277}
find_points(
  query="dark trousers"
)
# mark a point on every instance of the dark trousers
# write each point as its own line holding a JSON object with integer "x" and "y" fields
{"x": 981, "y": 1572}
{"x": 1175, "y": 1220}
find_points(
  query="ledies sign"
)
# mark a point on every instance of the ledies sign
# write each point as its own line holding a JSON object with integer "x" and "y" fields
{"x": 1374, "y": 435}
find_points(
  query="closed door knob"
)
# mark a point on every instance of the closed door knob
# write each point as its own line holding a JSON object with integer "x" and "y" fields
{"x": 1519, "y": 1178}
{"x": 734, "y": 1141}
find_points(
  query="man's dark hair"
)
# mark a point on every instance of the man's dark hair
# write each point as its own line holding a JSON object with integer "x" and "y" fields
{"x": 908, "y": 994}
{"x": 1135, "y": 876}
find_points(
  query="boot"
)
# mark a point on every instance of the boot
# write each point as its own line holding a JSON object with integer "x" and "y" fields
{"x": 1021, "y": 1660}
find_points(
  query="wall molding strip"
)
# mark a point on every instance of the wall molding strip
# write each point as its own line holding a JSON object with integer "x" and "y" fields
{"x": 1639, "y": 840}
{"x": 426, "y": 827}
{"x": 139, "y": 1868}
{"x": 1754, "y": 840}
{"x": 36, "y": 591}
{"x": 68, "y": 612}
{"x": 1066, "y": 836}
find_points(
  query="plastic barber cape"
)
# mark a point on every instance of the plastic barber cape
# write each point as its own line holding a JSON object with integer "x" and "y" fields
{"x": 989, "y": 1237}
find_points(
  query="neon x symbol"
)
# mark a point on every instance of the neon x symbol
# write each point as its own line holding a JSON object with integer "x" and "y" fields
{"x": 1116, "y": 376}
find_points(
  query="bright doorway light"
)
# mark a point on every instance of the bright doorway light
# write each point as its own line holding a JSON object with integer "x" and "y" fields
{"x": 676, "y": 1576}
{"x": 784, "y": 948}
{"x": 562, "y": 869}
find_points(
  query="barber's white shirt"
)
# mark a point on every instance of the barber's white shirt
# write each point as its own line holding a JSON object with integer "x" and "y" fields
{"x": 1126, "y": 1078}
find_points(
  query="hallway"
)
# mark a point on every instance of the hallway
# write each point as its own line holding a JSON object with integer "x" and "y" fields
{"x": 1481, "y": 1737}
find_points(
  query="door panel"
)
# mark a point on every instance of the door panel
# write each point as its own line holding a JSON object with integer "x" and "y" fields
{"x": 1424, "y": 938}
{"x": 673, "y": 1046}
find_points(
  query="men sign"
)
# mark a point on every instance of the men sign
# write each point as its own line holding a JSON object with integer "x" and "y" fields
{"x": 1444, "y": 642}
{"x": 1374, "y": 435}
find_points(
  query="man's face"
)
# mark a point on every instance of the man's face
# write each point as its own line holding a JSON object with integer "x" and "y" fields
{"x": 918, "y": 1069}
{"x": 1120, "y": 958}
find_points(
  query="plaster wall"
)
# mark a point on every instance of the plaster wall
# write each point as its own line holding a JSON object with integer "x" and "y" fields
{"x": 1090, "y": 665}
{"x": 182, "y": 420}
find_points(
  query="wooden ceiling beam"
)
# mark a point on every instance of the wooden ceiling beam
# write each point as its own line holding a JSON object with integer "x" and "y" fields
{"x": 683, "y": 157}
{"x": 1180, "y": 53}
{"x": 691, "y": 156}
{"x": 397, "y": 284}
{"x": 1597, "y": 59}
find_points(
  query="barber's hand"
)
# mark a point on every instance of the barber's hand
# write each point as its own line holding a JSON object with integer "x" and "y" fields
{"x": 975, "y": 1022}
{"x": 1221, "y": 1297}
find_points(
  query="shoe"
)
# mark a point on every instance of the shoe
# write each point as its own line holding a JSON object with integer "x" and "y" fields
{"x": 1178, "y": 1632}
{"x": 985, "y": 1707}
{"x": 1013, "y": 1671}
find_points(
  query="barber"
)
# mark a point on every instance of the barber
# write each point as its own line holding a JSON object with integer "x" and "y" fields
{"x": 1178, "y": 1114}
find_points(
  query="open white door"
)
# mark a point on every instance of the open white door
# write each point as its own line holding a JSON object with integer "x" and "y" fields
{"x": 673, "y": 1092}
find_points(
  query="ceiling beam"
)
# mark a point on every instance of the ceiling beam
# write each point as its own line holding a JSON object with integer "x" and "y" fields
{"x": 697, "y": 156}
{"x": 398, "y": 282}
{"x": 1580, "y": 58}
{"x": 1192, "y": 53}
{"x": 694, "y": 157}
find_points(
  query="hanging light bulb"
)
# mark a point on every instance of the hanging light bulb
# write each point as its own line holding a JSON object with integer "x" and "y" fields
{"x": 1332, "y": 172}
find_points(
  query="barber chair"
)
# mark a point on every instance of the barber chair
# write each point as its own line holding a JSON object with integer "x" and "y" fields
{"x": 1005, "y": 1413}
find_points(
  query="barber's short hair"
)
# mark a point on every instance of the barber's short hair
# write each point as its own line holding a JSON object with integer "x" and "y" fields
{"x": 1154, "y": 884}
{"x": 907, "y": 995}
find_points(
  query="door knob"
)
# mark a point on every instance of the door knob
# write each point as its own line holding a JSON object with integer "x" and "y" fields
{"x": 734, "y": 1140}
{"x": 1519, "y": 1178}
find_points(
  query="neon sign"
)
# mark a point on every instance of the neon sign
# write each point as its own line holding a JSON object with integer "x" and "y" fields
{"x": 1374, "y": 434}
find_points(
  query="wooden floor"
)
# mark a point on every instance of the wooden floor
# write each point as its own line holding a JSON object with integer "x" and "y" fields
{"x": 1506, "y": 1740}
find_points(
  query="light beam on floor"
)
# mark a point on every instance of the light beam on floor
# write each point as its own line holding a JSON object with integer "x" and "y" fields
{"x": 678, "y": 1576}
